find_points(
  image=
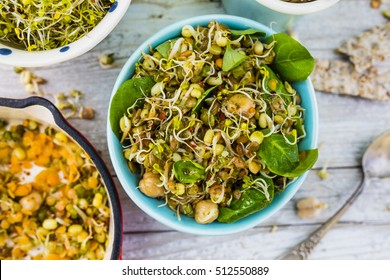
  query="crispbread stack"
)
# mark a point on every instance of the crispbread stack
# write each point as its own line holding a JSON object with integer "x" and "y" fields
{"x": 360, "y": 75}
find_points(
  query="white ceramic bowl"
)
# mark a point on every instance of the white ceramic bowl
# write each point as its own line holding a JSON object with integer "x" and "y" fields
{"x": 18, "y": 57}
{"x": 297, "y": 8}
{"x": 276, "y": 13}
{"x": 44, "y": 112}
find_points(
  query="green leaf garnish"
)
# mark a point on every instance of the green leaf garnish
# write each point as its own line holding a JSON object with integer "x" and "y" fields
{"x": 252, "y": 200}
{"x": 272, "y": 83}
{"x": 232, "y": 58}
{"x": 292, "y": 62}
{"x": 279, "y": 156}
{"x": 126, "y": 95}
{"x": 188, "y": 172}
{"x": 202, "y": 99}
{"x": 165, "y": 47}
{"x": 283, "y": 158}
{"x": 308, "y": 159}
{"x": 300, "y": 128}
{"x": 250, "y": 31}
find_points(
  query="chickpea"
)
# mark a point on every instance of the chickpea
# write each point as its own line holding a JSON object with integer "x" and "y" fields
{"x": 254, "y": 167}
{"x": 186, "y": 31}
{"x": 216, "y": 193}
{"x": 206, "y": 212}
{"x": 31, "y": 203}
{"x": 239, "y": 162}
{"x": 258, "y": 48}
{"x": 218, "y": 149}
{"x": 242, "y": 105}
{"x": 214, "y": 81}
{"x": 208, "y": 137}
{"x": 221, "y": 41}
{"x": 174, "y": 145}
{"x": 149, "y": 185}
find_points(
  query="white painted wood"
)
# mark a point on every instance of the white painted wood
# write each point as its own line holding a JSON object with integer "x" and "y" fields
{"x": 347, "y": 125}
{"x": 343, "y": 242}
{"x": 370, "y": 207}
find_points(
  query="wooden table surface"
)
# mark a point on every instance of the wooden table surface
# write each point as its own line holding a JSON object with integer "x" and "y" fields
{"x": 347, "y": 125}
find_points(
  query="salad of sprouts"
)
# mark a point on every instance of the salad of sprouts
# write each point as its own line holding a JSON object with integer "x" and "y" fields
{"x": 211, "y": 122}
{"x": 53, "y": 202}
{"x": 34, "y": 25}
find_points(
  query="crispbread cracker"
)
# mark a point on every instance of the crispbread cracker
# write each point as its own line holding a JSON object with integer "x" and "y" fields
{"x": 369, "y": 48}
{"x": 340, "y": 77}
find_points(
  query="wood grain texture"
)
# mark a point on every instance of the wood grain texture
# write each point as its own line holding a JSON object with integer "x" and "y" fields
{"x": 346, "y": 241}
{"x": 347, "y": 125}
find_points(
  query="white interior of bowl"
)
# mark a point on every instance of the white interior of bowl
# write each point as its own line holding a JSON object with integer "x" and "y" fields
{"x": 45, "y": 117}
{"x": 24, "y": 58}
{"x": 297, "y": 8}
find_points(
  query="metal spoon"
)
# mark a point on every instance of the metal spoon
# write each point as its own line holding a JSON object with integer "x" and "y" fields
{"x": 375, "y": 164}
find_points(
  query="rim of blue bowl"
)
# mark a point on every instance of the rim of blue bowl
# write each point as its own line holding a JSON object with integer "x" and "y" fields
{"x": 123, "y": 173}
{"x": 62, "y": 123}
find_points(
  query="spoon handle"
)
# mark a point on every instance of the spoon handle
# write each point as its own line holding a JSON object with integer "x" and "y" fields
{"x": 303, "y": 249}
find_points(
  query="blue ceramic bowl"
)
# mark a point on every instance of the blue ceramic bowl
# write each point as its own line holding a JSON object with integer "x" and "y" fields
{"x": 152, "y": 206}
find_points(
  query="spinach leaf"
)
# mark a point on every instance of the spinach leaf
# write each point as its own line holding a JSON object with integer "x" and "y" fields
{"x": 232, "y": 58}
{"x": 308, "y": 159}
{"x": 272, "y": 83}
{"x": 250, "y": 31}
{"x": 284, "y": 159}
{"x": 202, "y": 99}
{"x": 165, "y": 47}
{"x": 188, "y": 172}
{"x": 126, "y": 95}
{"x": 251, "y": 201}
{"x": 300, "y": 128}
{"x": 292, "y": 62}
{"x": 279, "y": 156}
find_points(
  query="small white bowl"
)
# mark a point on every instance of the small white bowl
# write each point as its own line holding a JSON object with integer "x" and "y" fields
{"x": 280, "y": 14}
{"x": 18, "y": 57}
{"x": 44, "y": 112}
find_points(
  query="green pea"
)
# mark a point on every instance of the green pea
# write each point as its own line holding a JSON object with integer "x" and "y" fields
{"x": 3, "y": 124}
{"x": 7, "y": 135}
{"x": 73, "y": 214}
{"x": 42, "y": 214}
{"x": 80, "y": 190}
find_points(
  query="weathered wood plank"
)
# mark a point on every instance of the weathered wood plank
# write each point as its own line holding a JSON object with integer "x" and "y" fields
{"x": 369, "y": 208}
{"x": 342, "y": 119}
{"x": 347, "y": 125}
{"x": 343, "y": 242}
